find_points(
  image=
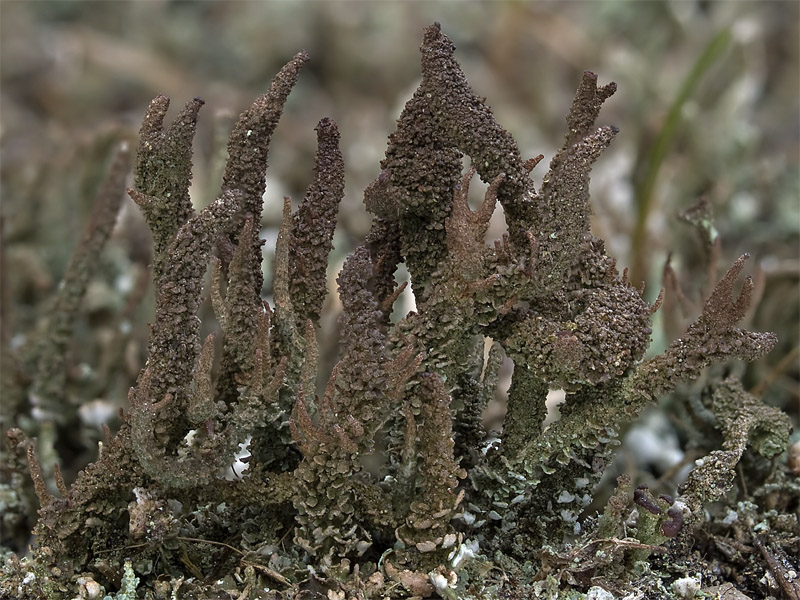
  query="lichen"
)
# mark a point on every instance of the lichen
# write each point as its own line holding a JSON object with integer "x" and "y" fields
{"x": 389, "y": 484}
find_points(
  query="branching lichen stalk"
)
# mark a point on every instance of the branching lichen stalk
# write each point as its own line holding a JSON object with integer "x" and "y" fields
{"x": 230, "y": 475}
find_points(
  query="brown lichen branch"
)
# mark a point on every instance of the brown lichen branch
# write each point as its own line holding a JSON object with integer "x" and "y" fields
{"x": 163, "y": 193}
{"x": 395, "y": 455}
{"x": 248, "y": 149}
{"x": 313, "y": 225}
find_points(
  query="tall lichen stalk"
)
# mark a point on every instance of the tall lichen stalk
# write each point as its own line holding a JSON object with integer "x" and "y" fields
{"x": 409, "y": 394}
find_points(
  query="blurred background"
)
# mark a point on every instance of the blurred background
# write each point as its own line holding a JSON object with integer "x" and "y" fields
{"x": 707, "y": 105}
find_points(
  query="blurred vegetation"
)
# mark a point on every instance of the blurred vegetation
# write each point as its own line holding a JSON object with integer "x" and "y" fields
{"x": 707, "y": 106}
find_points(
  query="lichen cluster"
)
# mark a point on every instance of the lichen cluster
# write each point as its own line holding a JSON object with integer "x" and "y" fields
{"x": 386, "y": 483}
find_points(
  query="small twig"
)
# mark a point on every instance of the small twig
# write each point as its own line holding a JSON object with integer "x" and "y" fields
{"x": 245, "y": 593}
{"x": 180, "y": 538}
{"x": 106, "y": 551}
{"x": 629, "y": 544}
{"x": 212, "y": 542}
{"x": 742, "y": 479}
{"x": 271, "y": 573}
{"x": 285, "y": 535}
{"x": 689, "y": 457}
{"x": 789, "y": 588}
{"x": 782, "y": 365}
{"x": 193, "y": 569}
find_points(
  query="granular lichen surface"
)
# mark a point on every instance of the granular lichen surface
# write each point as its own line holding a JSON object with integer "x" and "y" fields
{"x": 384, "y": 482}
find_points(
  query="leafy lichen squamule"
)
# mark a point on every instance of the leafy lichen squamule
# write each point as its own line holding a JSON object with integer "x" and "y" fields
{"x": 390, "y": 474}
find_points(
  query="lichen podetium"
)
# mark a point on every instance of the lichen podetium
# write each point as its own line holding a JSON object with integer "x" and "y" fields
{"x": 443, "y": 507}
